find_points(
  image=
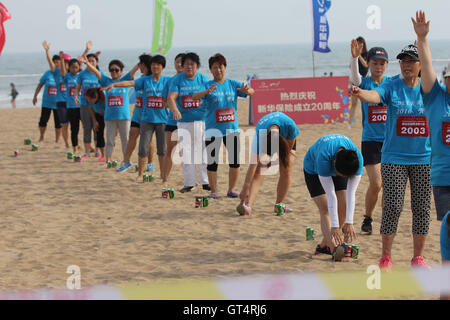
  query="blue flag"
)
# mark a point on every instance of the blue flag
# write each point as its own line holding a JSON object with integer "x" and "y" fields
{"x": 321, "y": 28}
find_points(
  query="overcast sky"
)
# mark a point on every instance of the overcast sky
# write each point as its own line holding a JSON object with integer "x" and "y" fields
{"x": 115, "y": 24}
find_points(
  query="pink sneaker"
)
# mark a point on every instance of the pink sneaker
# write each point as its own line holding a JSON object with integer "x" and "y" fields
{"x": 101, "y": 159}
{"x": 385, "y": 263}
{"x": 86, "y": 155}
{"x": 244, "y": 210}
{"x": 419, "y": 262}
{"x": 98, "y": 154}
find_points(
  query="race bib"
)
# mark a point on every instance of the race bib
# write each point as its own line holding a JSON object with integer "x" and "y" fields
{"x": 139, "y": 102}
{"x": 225, "y": 115}
{"x": 62, "y": 87}
{"x": 188, "y": 103}
{"x": 155, "y": 102}
{"x": 446, "y": 133}
{"x": 52, "y": 91}
{"x": 72, "y": 91}
{"x": 115, "y": 101}
{"x": 377, "y": 114}
{"x": 412, "y": 126}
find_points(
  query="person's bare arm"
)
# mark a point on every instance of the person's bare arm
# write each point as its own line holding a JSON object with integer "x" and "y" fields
{"x": 422, "y": 28}
{"x": 370, "y": 96}
{"x": 90, "y": 67}
{"x": 63, "y": 64}
{"x": 36, "y": 92}
{"x": 77, "y": 93}
{"x": 172, "y": 105}
{"x": 51, "y": 64}
{"x": 134, "y": 70}
{"x": 87, "y": 49}
{"x": 201, "y": 94}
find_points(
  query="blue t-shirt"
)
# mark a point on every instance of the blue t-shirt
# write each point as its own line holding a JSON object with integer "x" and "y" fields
{"x": 407, "y": 140}
{"x": 71, "y": 83}
{"x": 373, "y": 116}
{"x": 88, "y": 80}
{"x": 437, "y": 109}
{"x": 320, "y": 157}
{"x": 288, "y": 128}
{"x": 190, "y": 110}
{"x": 221, "y": 108}
{"x": 50, "y": 90}
{"x": 139, "y": 103}
{"x": 165, "y": 94}
{"x": 117, "y": 104}
{"x": 62, "y": 91}
{"x": 99, "y": 106}
{"x": 154, "y": 110}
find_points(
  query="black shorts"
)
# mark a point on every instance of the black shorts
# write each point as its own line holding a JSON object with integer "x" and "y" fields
{"x": 371, "y": 152}
{"x": 62, "y": 113}
{"x": 315, "y": 186}
{"x": 171, "y": 128}
{"x": 135, "y": 124}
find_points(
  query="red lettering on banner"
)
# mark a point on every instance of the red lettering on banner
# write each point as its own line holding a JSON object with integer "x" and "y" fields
{"x": 188, "y": 103}
{"x": 446, "y": 133}
{"x": 319, "y": 100}
{"x": 115, "y": 101}
{"x": 52, "y": 91}
{"x": 139, "y": 102}
{"x": 225, "y": 115}
{"x": 377, "y": 114}
{"x": 155, "y": 102}
{"x": 412, "y": 126}
{"x": 62, "y": 87}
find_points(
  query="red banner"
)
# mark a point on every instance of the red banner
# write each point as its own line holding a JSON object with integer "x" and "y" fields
{"x": 305, "y": 100}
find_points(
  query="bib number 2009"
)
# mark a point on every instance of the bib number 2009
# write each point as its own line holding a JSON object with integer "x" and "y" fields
{"x": 411, "y": 126}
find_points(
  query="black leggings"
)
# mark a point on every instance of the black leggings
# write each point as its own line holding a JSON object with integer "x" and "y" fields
{"x": 74, "y": 118}
{"x": 233, "y": 149}
{"x": 100, "y": 133}
{"x": 45, "y": 116}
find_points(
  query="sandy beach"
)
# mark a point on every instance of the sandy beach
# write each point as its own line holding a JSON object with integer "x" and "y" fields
{"x": 56, "y": 213}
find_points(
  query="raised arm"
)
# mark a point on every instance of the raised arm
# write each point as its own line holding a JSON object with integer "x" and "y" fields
{"x": 90, "y": 67}
{"x": 134, "y": 70}
{"x": 356, "y": 50}
{"x": 63, "y": 64}
{"x": 248, "y": 91}
{"x": 51, "y": 64}
{"x": 88, "y": 48}
{"x": 422, "y": 27}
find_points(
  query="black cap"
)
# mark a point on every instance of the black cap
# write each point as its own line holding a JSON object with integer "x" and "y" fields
{"x": 410, "y": 51}
{"x": 377, "y": 53}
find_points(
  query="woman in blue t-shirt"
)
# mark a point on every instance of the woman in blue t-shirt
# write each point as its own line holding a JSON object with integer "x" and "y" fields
{"x": 405, "y": 156}
{"x": 117, "y": 113}
{"x": 373, "y": 123}
{"x": 191, "y": 121}
{"x": 436, "y": 100}
{"x": 47, "y": 81}
{"x": 221, "y": 98}
{"x": 333, "y": 167}
{"x": 275, "y": 133}
{"x": 96, "y": 99}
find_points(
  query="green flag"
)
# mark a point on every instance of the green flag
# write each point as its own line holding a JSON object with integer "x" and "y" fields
{"x": 162, "y": 28}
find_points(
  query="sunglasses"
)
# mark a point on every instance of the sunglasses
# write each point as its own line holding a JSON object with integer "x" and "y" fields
{"x": 114, "y": 70}
{"x": 408, "y": 61}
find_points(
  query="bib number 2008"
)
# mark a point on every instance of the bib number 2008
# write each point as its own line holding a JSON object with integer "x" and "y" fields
{"x": 411, "y": 126}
